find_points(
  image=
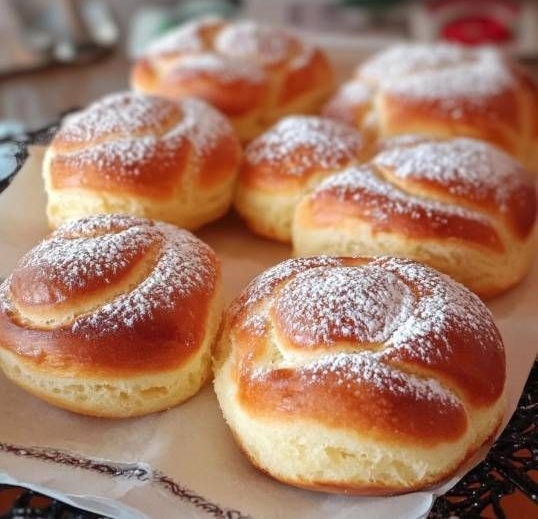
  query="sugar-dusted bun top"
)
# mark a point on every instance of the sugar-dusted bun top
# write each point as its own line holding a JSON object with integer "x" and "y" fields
{"x": 464, "y": 171}
{"x": 249, "y": 41}
{"x": 385, "y": 346}
{"x": 298, "y": 147}
{"x": 244, "y": 68}
{"x": 443, "y": 89}
{"x": 460, "y": 188}
{"x": 241, "y": 41}
{"x": 110, "y": 292}
{"x": 442, "y": 71}
{"x": 144, "y": 145}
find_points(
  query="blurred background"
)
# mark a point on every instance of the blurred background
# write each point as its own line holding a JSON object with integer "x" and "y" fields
{"x": 59, "y": 54}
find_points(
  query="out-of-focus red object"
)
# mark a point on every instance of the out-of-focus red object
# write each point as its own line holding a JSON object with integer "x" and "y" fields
{"x": 473, "y": 30}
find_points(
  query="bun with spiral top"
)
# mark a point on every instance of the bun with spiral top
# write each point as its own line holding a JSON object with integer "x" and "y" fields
{"x": 111, "y": 316}
{"x": 359, "y": 375}
{"x": 460, "y": 205}
{"x": 285, "y": 163}
{"x": 255, "y": 74}
{"x": 143, "y": 155}
{"x": 443, "y": 90}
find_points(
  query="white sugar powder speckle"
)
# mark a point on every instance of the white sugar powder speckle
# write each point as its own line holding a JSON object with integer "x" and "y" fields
{"x": 360, "y": 183}
{"x": 131, "y": 130}
{"x": 366, "y": 367}
{"x": 414, "y": 310}
{"x": 202, "y": 125}
{"x": 252, "y": 42}
{"x": 72, "y": 260}
{"x": 323, "y": 306}
{"x": 467, "y": 167}
{"x": 313, "y": 141}
{"x": 223, "y": 69}
{"x": 355, "y": 93}
{"x": 405, "y": 59}
{"x": 443, "y": 305}
{"x": 186, "y": 38}
{"x": 121, "y": 113}
{"x": 100, "y": 247}
{"x": 181, "y": 268}
{"x": 473, "y": 81}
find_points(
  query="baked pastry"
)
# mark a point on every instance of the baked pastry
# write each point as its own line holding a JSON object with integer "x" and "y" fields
{"x": 461, "y": 206}
{"x": 143, "y": 155}
{"x": 359, "y": 375}
{"x": 253, "y": 73}
{"x": 286, "y": 162}
{"x": 112, "y": 316}
{"x": 443, "y": 90}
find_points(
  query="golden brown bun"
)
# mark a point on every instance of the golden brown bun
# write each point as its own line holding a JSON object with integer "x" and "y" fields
{"x": 283, "y": 164}
{"x": 111, "y": 316}
{"x": 359, "y": 375}
{"x": 253, "y": 73}
{"x": 143, "y": 155}
{"x": 460, "y": 205}
{"x": 443, "y": 90}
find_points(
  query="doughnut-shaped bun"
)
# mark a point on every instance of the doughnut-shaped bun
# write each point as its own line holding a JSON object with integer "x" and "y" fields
{"x": 286, "y": 162}
{"x": 461, "y": 206}
{"x": 359, "y": 375}
{"x": 443, "y": 90}
{"x": 146, "y": 156}
{"x": 255, "y": 74}
{"x": 112, "y": 316}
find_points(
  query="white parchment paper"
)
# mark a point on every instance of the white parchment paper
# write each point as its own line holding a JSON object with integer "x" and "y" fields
{"x": 183, "y": 462}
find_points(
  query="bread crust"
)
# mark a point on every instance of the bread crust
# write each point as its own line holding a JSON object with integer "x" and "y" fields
{"x": 359, "y": 375}
{"x": 170, "y": 160}
{"x": 443, "y": 90}
{"x": 112, "y": 305}
{"x": 253, "y": 73}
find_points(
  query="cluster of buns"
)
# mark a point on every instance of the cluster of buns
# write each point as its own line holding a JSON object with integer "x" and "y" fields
{"x": 286, "y": 162}
{"x": 359, "y": 375}
{"x": 253, "y": 73}
{"x": 147, "y": 156}
{"x": 459, "y": 205}
{"x": 443, "y": 90}
{"x": 112, "y": 316}
{"x": 341, "y": 374}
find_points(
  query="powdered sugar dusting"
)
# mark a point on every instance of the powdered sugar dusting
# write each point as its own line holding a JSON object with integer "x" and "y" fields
{"x": 73, "y": 262}
{"x": 185, "y": 39}
{"x": 117, "y": 114}
{"x": 412, "y": 310}
{"x": 443, "y": 73}
{"x": 443, "y": 305}
{"x": 122, "y": 157}
{"x": 202, "y": 125}
{"x": 360, "y": 183}
{"x": 182, "y": 268}
{"x": 472, "y": 81}
{"x": 136, "y": 135}
{"x": 354, "y": 93}
{"x": 364, "y": 367}
{"x": 100, "y": 247}
{"x": 250, "y": 41}
{"x": 262, "y": 287}
{"x": 310, "y": 142}
{"x": 324, "y": 306}
{"x": 224, "y": 69}
{"x": 466, "y": 167}
{"x": 412, "y": 58}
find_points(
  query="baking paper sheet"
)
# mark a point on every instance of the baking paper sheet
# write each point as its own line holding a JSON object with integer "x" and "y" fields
{"x": 183, "y": 462}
